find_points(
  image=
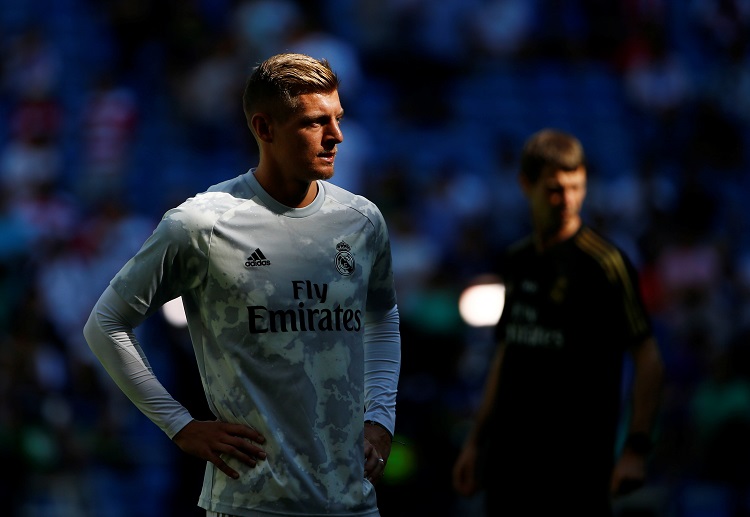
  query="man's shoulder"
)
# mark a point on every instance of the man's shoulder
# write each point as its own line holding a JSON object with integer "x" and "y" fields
{"x": 596, "y": 245}
{"x": 516, "y": 257}
{"x": 203, "y": 209}
{"x": 341, "y": 194}
{"x": 351, "y": 200}
{"x": 520, "y": 247}
{"x": 601, "y": 251}
{"x": 237, "y": 186}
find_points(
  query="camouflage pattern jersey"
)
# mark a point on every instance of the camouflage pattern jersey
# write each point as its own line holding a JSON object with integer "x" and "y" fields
{"x": 275, "y": 299}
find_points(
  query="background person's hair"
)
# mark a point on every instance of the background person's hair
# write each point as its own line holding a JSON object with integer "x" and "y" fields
{"x": 550, "y": 148}
{"x": 276, "y": 84}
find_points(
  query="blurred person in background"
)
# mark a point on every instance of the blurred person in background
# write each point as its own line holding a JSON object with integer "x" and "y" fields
{"x": 288, "y": 289}
{"x": 545, "y": 434}
{"x": 108, "y": 128}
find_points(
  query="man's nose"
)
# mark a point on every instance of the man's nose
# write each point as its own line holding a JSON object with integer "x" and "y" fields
{"x": 336, "y": 133}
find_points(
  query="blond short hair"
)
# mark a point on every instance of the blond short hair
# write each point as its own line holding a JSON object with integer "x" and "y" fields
{"x": 276, "y": 84}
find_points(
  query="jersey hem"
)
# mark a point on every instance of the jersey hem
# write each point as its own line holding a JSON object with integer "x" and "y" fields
{"x": 257, "y": 512}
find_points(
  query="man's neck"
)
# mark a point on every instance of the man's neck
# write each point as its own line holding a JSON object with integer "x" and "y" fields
{"x": 291, "y": 194}
{"x": 543, "y": 240}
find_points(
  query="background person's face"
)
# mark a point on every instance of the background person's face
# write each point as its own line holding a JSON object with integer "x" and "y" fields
{"x": 557, "y": 198}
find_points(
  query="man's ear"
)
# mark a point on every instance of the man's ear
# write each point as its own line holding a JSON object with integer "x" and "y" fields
{"x": 262, "y": 126}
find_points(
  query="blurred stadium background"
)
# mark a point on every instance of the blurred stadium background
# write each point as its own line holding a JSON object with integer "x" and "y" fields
{"x": 112, "y": 111}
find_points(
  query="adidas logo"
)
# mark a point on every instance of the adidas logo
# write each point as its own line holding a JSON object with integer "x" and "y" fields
{"x": 257, "y": 258}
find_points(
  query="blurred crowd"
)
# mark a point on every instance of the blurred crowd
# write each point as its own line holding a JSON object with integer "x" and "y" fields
{"x": 112, "y": 111}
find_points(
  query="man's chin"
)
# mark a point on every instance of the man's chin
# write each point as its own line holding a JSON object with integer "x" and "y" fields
{"x": 324, "y": 174}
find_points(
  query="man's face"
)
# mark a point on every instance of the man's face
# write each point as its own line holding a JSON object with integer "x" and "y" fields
{"x": 305, "y": 143}
{"x": 557, "y": 197}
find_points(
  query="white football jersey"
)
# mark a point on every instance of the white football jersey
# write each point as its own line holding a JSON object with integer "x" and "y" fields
{"x": 275, "y": 299}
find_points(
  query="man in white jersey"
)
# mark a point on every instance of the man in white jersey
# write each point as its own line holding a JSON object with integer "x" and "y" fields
{"x": 288, "y": 288}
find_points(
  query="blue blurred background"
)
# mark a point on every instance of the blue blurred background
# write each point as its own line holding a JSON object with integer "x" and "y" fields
{"x": 112, "y": 111}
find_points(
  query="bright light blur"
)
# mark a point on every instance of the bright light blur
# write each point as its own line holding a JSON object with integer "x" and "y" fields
{"x": 481, "y": 305}
{"x": 174, "y": 313}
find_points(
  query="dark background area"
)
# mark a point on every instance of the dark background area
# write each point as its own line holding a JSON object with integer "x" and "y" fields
{"x": 112, "y": 111}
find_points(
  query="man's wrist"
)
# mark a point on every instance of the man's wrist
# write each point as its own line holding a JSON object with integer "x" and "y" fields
{"x": 378, "y": 424}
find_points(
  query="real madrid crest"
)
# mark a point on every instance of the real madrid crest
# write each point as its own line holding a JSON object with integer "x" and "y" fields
{"x": 344, "y": 259}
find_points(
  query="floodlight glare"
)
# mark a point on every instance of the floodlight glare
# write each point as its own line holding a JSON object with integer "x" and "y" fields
{"x": 481, "y": 305}
{"x": 174, "y": 313}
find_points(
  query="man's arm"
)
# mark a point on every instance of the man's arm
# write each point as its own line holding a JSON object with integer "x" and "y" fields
{"x": 464, "y": 470}
{"x": 647, "y": 384}
{"x": 382, "y": 347}
{"x": 110, "y": 335}
{"x": 630, "y": 471}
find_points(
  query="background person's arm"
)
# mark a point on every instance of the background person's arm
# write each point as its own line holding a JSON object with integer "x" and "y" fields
{"x": 630, "y": 470}
{"x": 465, "y": 480}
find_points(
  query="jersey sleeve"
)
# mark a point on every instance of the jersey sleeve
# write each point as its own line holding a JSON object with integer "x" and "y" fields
{"x": 381, "y": 294}
{"x": 632, "y": 321}
{"x": 172, "y": 260}
{"x": 382, "y": 342}
{"x": 109, "y": 333}
{"x": 637, "y": 321}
